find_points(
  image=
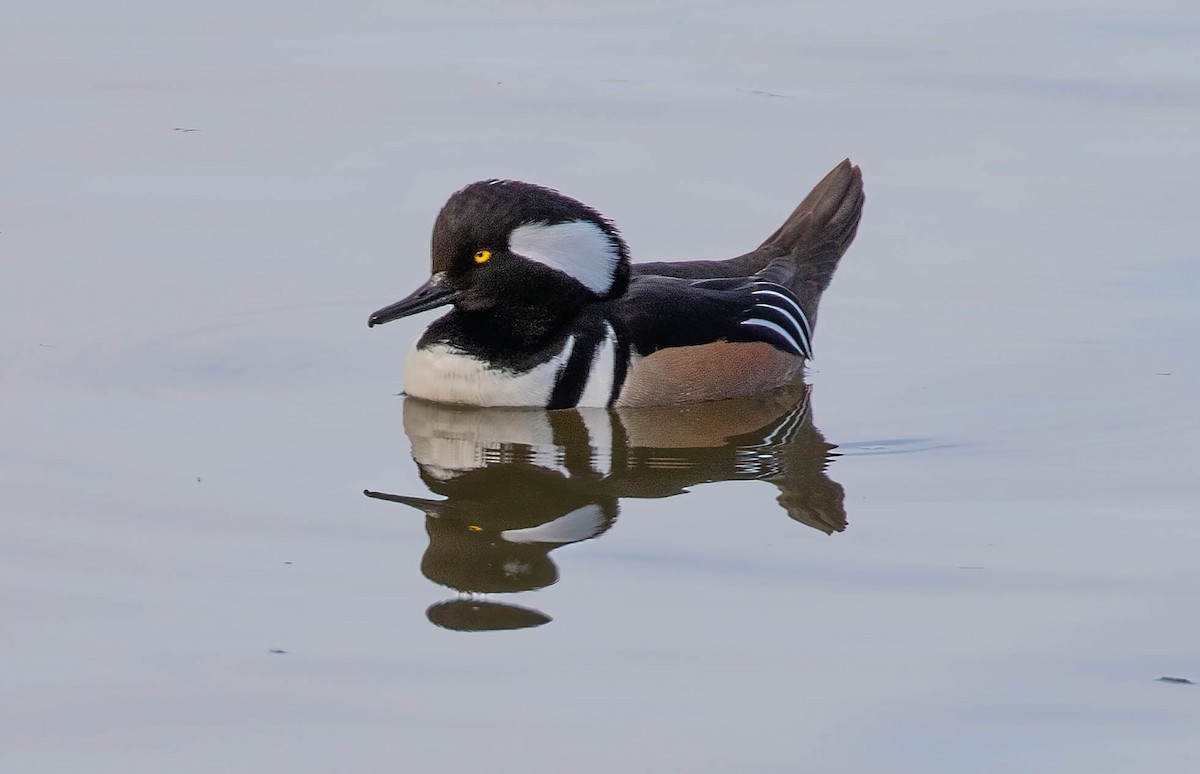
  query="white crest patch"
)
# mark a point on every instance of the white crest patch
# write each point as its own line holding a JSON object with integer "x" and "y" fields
{"x": 579, "y": 248}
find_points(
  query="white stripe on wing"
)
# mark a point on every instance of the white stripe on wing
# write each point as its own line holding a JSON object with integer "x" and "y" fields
{"x": 787, "y": 337}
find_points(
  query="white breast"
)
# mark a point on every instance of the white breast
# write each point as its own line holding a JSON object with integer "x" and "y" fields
{"x": 598, "y": 388}
{"x": 448, "y": 375}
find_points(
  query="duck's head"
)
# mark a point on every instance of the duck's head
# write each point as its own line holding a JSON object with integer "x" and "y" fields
{"x": 504, "y": 244}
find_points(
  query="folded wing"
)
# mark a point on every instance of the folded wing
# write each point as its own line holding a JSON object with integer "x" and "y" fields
{"x": 663, "y": 312}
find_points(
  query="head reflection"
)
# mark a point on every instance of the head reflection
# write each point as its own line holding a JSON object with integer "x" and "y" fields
{"x": 518, "y": 483}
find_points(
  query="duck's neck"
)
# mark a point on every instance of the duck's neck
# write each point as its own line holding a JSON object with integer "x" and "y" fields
{"x": 516, "y": 338}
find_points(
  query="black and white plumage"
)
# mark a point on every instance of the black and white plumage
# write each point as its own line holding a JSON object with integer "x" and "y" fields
{"x": 670, "y": 312}
{"x": 549, "y": 311}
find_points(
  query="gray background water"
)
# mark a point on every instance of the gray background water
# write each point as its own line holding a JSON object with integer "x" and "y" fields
{"x": 192, "y": 402}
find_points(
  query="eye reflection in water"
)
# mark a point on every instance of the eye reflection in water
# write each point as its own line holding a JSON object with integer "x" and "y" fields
{"x": 518, "y": 483}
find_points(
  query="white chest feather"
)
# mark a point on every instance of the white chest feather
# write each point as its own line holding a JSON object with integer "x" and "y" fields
{"x": 448, "y": 375}
{"x": 598, "y": 388}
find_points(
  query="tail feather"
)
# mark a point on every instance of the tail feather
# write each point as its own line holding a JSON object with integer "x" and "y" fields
{"x": 803, "y": 253}
{"x": 811, "y": 242}
{"x": 839, "y": 187}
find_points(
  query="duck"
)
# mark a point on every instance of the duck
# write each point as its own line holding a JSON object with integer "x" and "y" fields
{"x": 549, "y": 311}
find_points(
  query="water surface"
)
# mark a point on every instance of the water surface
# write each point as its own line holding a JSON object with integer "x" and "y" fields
{"x": 1004, "y": 557}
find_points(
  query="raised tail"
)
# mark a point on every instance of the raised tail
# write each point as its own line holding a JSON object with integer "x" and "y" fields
{"x": 806, "y": 249}
{"x": 803, "y": 253}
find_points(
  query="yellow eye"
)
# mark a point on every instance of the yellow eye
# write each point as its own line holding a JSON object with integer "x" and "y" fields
{"x": 482, "y": 256}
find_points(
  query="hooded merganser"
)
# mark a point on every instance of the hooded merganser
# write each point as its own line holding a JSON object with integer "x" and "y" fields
{"x": 549, "y": 311}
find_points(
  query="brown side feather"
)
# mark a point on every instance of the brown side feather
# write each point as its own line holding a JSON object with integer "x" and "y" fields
{"x": 713, "y": 371}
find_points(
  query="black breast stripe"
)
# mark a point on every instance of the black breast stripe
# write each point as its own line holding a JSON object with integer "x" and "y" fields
{"x": 572, "y": 378}
{"x": 621, "y": 354}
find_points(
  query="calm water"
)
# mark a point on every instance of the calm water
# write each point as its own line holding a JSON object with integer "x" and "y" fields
{"x": 972, "y": 545}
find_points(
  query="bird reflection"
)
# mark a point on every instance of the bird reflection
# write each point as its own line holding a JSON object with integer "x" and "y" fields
{"x": 519, "y": 483}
